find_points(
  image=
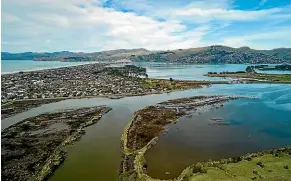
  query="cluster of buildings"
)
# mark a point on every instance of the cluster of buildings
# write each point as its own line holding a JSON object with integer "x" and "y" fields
{"x": 78, "y": 81}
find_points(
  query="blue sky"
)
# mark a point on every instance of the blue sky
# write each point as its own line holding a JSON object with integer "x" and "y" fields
{"x": 96, "y": 25}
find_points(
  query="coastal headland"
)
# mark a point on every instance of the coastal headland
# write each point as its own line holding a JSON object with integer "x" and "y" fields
{"x": 33, "y": 148}
{"x": 143, "y": 130}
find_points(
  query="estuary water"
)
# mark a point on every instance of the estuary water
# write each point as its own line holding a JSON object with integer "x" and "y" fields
{"x": 97, "y": 155}
{"x": 155, "y": 70}
{"x": 194, "y": 71}
{"x": 10, "y": 66}
{"x": 255, "y": 125}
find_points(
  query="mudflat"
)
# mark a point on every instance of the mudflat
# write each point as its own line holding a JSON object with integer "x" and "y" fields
{"x": 33, "y": 148}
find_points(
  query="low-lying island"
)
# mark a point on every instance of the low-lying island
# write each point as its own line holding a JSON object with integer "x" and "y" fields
{"x": 33, "y": 148}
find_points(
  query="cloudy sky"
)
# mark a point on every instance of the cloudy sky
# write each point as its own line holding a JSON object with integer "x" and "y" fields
{"x": 96, "y": 25}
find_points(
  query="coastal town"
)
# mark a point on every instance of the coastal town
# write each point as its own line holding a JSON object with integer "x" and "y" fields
{"x": 78, "y": 81}
{"x": 85, "y": 81}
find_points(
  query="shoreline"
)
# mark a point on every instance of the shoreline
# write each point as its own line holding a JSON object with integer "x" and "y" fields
{"x": 85, "y": 80}
{"x": 203, "y": 84}
{"x": 139, "y": 157}
{"x": 41, "y": 69}
{"x": 57, "y": 99}
{"x": 106, "y": 62}
{"x": 133, "y": 163}
{"x": 134, "y": 167}
{"x": 271, "y": 164}
{"x": 43, "y": 138}
{"x": 254, "y": 77}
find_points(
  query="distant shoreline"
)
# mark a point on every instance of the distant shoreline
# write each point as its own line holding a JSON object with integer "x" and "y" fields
{"x": 93, "y": 62}
{"x": 48, "y": 68}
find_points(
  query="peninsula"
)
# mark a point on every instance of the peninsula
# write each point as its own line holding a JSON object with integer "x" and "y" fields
{"x": 84, "y": 81}
{"x": 24, "y": 90}
{"x": 147, "y": 124}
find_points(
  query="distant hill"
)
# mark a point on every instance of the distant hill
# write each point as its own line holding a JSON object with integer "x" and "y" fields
{"x": 73, "y": 56}
{"x": 215, "y": 54}
{"x": 32, "y": 55}
{"x": 218, "y": 54}
{"x": 124, "y": 51}
{"x": 284, "y": 53}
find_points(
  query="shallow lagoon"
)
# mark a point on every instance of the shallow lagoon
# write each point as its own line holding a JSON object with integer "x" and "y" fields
{"x": 97, "y": 156}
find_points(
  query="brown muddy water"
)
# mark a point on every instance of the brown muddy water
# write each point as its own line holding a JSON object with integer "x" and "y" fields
{"x": 97, "y": 155}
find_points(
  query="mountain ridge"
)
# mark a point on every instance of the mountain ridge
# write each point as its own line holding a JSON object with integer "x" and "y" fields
{"x": 209, "y": 54}
{"x": 218, "y": 54}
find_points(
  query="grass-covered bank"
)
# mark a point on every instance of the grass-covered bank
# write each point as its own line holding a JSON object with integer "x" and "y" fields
{"x": 271, "y": 165}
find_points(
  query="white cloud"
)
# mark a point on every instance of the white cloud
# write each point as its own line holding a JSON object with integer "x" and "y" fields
{"x": 226, "y": 14}
{"x": 275, "y": 38}
{"x": 93, "y": 28}
{"x": 56, "y": 25}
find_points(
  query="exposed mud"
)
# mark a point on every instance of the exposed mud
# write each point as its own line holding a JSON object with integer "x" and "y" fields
{"x": 148, "y": 123}
{"x": 32, "y": 149}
